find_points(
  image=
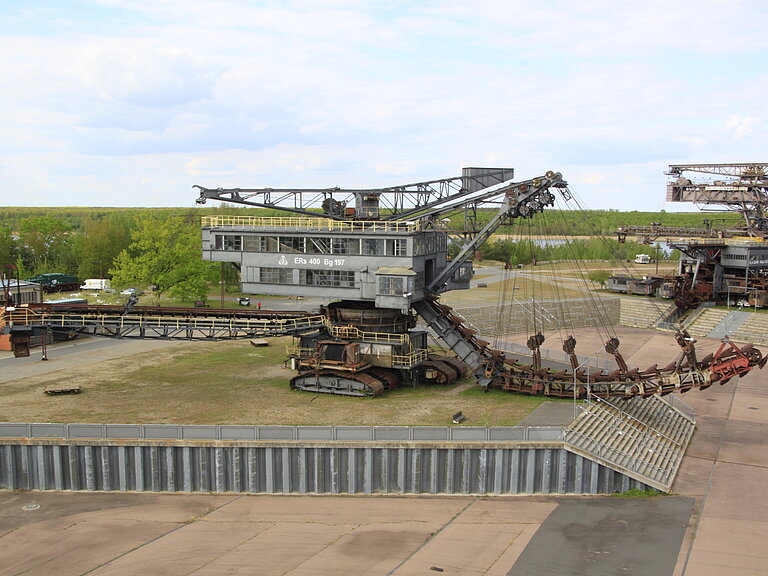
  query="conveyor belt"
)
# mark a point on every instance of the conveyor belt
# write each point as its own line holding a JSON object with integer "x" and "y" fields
{"x": 155, "y": 322}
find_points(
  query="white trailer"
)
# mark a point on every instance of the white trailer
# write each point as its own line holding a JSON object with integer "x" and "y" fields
{"x": 639, "y": 259}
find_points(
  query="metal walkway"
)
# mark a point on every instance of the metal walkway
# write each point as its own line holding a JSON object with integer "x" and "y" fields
{"x": 149, "y": 322}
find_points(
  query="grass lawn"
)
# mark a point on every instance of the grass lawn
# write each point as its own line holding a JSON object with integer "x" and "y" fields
{"x": 234, "y": 383}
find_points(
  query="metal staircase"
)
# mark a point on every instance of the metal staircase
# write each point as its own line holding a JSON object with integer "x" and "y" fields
{"x": 644, "y": 438}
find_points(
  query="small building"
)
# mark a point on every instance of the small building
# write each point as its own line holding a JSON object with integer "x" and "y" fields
{"x": 617, "y": 283}
{"x": 14, "y": 293}
{"x": 644, "y": 286}
{"x": 21, "y": 292}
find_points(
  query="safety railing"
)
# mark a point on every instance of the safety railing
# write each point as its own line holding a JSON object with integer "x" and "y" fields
{"x": 404, "y": 361}
{"x": 181, "y": 432}
{"x": 21, "y": 316}
{"x": 310, "y": 224}
{"x": 299, "y": 352}
{"x": 681, "y": 406}
{"x": 355, "y": 333}
{"x": 603, "y": 450}
{"x": 409, "y": 360}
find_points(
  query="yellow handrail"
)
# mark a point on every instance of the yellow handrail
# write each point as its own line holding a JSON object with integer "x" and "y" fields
{"x": 356, "y": 333}
{"x": 310, "y": 224}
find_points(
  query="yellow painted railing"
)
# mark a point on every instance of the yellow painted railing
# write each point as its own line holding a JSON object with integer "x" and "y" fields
{"x": 299, "y": 352}
{"x": 309, "y": 224}
{"x": 409, "y": 360}
{"x": 356, "y": 334}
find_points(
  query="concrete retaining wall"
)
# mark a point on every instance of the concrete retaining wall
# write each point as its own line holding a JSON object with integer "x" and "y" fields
{"x": 516, "y": 317}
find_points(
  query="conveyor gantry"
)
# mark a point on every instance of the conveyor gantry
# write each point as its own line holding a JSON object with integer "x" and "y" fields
{"x": 163, "y": 323}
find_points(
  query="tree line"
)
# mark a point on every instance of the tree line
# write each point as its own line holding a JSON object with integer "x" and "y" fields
{"x": 605, "y": 222}
{"x": 526, "y": 251}
{"x": 140, "y": 247}
{"x": 161, "y": 246}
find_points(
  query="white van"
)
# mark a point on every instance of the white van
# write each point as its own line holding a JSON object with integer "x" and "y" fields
{"x": 96, "y": 284}
{"x": 639, "y": 259}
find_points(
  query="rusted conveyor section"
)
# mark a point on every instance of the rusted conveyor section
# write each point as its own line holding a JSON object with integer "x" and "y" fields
{"x": 493, "y": 370}
{"x": 156, "y": 322}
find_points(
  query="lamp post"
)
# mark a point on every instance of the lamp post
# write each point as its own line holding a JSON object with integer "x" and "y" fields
{"x": 45, "y": 344}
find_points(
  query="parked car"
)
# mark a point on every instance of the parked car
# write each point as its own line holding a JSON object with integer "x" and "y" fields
{"x": 130, "y": 292}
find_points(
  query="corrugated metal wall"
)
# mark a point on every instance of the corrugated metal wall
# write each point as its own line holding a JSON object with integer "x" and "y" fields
{"x": 324, "y": 467}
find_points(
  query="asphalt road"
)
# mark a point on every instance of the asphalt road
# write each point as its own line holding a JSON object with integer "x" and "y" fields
{"x": 608, "y": 536}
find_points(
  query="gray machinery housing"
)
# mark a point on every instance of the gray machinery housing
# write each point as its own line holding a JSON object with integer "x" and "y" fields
{"x": 387, "y": 263}
{"x": 368, "y": 247}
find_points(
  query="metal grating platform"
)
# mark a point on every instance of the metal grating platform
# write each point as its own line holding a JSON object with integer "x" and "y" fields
{"x": 644, "y": 438}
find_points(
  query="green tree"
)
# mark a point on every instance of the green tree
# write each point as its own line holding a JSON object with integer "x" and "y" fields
{"x": 46, "y": 243}
{"x": 599, "y": 277}
{"x": 98, "y": 245}
{"x": 166, "y": 253}
{"x": 7, "y": 247}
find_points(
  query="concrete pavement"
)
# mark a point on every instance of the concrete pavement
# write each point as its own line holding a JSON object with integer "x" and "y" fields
{"x": 724, "y": 476}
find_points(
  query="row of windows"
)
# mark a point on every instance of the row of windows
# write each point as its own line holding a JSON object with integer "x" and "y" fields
{"x": 306, "y": 277}
{"x": 304, "y": 245}
{"x": 753, "y": 258}
{"x": 387, "y": 285}
{"x": 429, "y": 245}
{"x": 23, "y": 296}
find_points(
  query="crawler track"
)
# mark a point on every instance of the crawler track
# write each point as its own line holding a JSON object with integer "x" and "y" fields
{"x": 340, "y": 383}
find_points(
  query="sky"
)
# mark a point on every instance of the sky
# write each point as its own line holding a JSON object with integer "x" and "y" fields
{"x": 132, "y": 102}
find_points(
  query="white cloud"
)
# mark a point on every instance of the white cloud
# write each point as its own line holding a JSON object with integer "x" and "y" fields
{"x": 589, "y": 178}
{"x": 144, "y": 73}
{"x": 740, "y": 126}
{"x": 153, "y": 97}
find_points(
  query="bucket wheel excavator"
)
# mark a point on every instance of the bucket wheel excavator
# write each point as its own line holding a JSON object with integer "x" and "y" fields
{"x": 380, "y": 258}
{"x": 724, "y": 263}
{"x": 381, "y": 255}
